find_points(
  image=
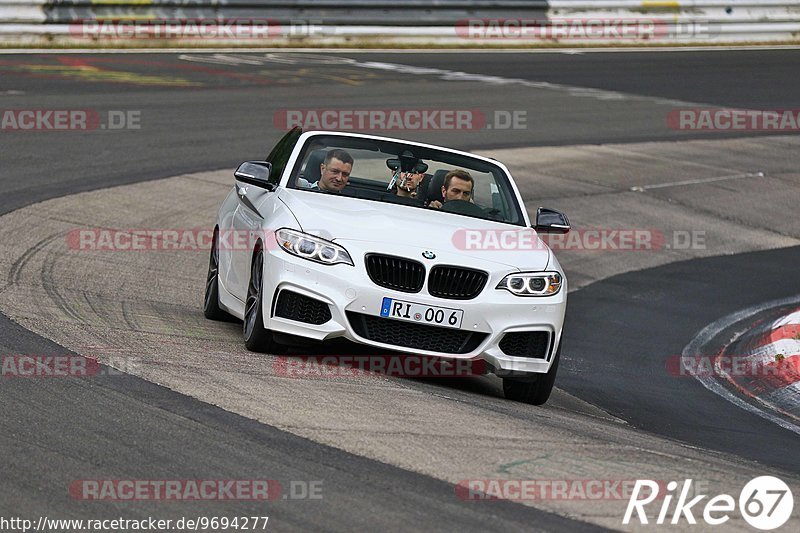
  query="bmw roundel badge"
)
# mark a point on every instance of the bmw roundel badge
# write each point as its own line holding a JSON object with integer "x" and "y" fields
{"x": 427, "y": 254}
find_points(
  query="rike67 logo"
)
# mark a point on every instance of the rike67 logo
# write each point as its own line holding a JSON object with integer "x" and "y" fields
{"x": 765, "y": 503}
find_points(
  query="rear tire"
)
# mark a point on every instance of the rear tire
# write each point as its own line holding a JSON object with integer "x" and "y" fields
{"x": 257, "y": 338}
{"x": 211, "y": 308}
{"x": 534, "y": 390}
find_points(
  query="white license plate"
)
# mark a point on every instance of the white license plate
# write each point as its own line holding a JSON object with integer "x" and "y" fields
{"x": 423, "y": 314}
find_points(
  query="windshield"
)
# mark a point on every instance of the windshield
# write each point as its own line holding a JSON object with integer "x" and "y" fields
{"x": 399, "y": 173}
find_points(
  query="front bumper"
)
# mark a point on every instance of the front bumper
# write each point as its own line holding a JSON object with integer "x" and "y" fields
{"x": 347, "y": 289}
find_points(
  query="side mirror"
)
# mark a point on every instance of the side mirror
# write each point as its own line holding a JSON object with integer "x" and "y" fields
{"x": 255, "y": 173}
{"x": 551, "y": 221}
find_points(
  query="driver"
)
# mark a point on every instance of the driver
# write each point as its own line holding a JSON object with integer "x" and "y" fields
{"x": 458, "y": 185}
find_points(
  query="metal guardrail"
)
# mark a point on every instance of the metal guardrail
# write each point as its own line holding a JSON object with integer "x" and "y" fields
{"x": 459, "y": 22}
{"x": 329, "y": 12}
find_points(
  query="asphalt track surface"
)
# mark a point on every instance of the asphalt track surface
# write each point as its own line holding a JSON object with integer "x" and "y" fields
{"x": 627, "y": 347}
{"x": 54, "y": 432}
{"x": 201, "y": 115}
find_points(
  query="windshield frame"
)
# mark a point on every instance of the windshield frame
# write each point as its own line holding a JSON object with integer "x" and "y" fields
{"x": 496, "y": 168}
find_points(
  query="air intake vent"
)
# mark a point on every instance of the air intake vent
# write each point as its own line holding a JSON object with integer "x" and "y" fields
{"x": 410, "y": 335}
{"x": 301, "y": 308}
{"x": 532, "y": 344}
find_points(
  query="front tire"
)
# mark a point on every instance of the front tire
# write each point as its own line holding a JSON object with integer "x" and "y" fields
{"x": 257, "y": 338}
{"x": 533, "y": 390}
{"x": 211, "y": 308}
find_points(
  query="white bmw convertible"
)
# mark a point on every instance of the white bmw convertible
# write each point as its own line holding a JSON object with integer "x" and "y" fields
{"x": 397, "y": 245}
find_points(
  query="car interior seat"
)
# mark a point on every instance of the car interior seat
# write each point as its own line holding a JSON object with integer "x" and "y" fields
{"x": 434, "y": 190}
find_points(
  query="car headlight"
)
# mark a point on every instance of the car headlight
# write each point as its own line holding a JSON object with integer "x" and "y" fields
{"x": 312, "y": 248}
{"x": 532, "y": 283}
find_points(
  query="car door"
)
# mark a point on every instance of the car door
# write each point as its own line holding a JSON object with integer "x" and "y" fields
{"x": 248, "y": 219}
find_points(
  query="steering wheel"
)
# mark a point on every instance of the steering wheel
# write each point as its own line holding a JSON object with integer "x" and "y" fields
{"x": 463, "y": 207}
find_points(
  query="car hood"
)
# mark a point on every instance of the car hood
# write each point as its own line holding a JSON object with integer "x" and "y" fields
{"x": 403, "y": 228}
